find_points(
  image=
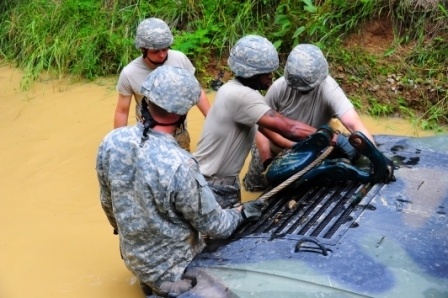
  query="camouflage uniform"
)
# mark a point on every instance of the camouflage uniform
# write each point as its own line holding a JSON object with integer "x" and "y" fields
{"x": 182, "y": 137}
{"x": 153, "y": 193}
{"x": 254, "y": 180}
{"x": 157, "y": 200}
{"x": 227, "y": 195}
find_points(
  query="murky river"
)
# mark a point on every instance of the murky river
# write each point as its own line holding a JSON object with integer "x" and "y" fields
{"x": 55, "y": 239}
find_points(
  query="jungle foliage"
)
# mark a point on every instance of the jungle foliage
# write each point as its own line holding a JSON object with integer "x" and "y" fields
{"x": 92, "y": 38}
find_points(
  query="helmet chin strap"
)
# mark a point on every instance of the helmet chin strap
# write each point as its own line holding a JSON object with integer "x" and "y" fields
{"x": 149, "y": 122}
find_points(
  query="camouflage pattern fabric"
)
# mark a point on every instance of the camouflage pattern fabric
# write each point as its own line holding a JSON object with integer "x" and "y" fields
{"x": 159, "y": 202}
{"x": 227, "y": 196}
{"x": 153, "y": 34}
{"x": 306, "y": 67}
{"x": 254, "y": 179}
{"x": 252, "y": 55}
{"x": 178, "y": 96}
{"x": 182, "y": 137}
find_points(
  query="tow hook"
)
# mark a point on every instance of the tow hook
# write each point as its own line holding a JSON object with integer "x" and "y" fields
{"x": 313, "y": 240}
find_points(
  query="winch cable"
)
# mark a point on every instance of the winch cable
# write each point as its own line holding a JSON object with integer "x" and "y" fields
{"x": 297, "y": 175}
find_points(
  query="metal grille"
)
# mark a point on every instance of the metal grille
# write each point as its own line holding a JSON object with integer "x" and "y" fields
{"x": 315, "y": 211}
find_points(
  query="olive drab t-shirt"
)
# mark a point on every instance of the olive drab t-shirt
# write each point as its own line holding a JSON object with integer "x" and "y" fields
{"x": 134, "y": 74}
{"x": 315, "y": 108}
{"x": 229, "y": 130}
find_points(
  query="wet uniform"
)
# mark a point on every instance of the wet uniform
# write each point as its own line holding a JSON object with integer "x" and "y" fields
{"x": 134, "y": 74}
{"x": 315, "y": 108}
{"x": 227, "y": 137}
{"x": 158, "y": 201}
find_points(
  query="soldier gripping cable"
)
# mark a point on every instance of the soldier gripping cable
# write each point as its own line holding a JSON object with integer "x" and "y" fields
{"x": 309, "y": 94}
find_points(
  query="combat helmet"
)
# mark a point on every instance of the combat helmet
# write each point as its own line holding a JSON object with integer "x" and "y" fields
{"x": 306, "y": 67}
{"x": 253, "y": 55}
{"x": 174, "y": 89}
{"x": 153, "y": 34}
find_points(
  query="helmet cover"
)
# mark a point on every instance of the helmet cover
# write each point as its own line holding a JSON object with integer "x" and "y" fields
{"x": 153, "y": 34}
{"x": 174, "y": 89}
{"x": 306, "y": 67}
{"x": 253, "y": 55}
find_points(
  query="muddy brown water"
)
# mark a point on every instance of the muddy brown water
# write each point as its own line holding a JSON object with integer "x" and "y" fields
{"x": 55, "y": 239}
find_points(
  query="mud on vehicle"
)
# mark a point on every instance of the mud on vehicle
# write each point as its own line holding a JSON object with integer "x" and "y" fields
{"x": 327, "y": 237}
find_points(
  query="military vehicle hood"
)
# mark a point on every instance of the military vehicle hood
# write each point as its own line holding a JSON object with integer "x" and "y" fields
{"x": 344, "y": 239}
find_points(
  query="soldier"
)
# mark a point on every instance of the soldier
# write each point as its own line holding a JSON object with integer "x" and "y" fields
{"x": 231, "y": 124}
{"x": 153, "y": 193}
{"x": 154, "y": 39}
{"x": 305, "y": 93}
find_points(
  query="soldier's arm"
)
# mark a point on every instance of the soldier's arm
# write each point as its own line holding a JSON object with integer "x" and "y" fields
{"x": 288, "y": 128}
{"x": 122, "y": 110}
{"x": 275, "y": 138}
{"x": 203, "y": 104}
{"x": 105, "y": 193}
{"x": 196, "y": 201}
{"x": 353, "y": 122}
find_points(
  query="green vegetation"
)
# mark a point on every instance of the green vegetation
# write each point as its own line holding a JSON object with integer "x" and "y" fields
{"x": 90, "y": 38}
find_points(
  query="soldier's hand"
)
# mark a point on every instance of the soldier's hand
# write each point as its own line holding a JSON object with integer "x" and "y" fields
{"x": 252, "y": 210}
{"x": 324, "y": 130}
{"x": 345, "y": 147}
